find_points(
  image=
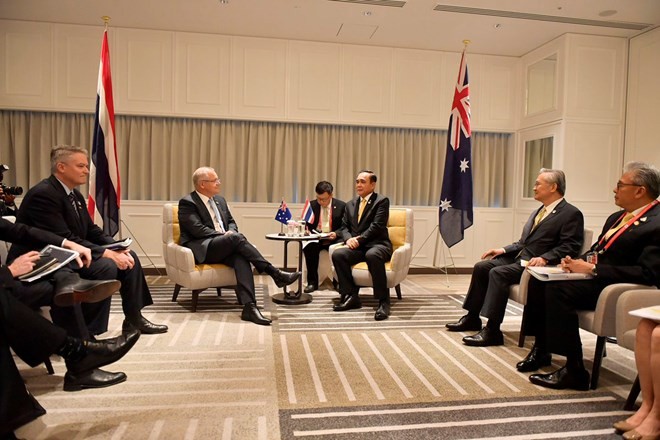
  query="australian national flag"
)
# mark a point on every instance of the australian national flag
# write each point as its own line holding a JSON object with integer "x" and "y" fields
{"x": 283, "y": 214}
{"x": 104, "y": 189}
{"x": 456, "y": 197}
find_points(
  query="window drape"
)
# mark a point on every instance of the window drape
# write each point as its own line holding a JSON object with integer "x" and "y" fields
{"x": 259, "y": 161}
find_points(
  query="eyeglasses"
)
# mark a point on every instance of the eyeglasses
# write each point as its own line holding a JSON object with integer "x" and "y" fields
{"x": 212, "y": 181}
{"x": 620, "y": 185}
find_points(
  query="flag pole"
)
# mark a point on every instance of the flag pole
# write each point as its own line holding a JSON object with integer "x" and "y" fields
{"x": 106, "y": 20}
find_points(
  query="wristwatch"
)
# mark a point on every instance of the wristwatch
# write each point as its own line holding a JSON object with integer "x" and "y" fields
{"x": 593, "y": 271}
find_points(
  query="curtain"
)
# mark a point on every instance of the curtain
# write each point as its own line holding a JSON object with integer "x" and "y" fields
{"x": 259, "y": 161}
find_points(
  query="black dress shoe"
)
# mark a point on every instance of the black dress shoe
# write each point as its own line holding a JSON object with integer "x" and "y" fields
{"x": 383, "y": 311}
{"x": 252, "y": 313}
{"x": 103, "y": 352}
{"x": 282, "y": 278}
{"x": 311, "y": 288}
{"x": 563, "y": 379}
{"x": 351, "y": 302}
{"x": 86, "y": 291}
{"x": 534, "y": 360}
{"x": 144, "y": 325}
{"x": 91, "y": 379}
{"x": 485, "y": 338}
{"x": 466, "y": 323}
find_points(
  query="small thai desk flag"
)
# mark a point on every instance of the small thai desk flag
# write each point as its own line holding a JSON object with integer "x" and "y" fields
{"x": 104, "y": 188}
{"x": 307, "y": 213}
{"x": 283, "y": 214}
{"x": 455, "y": 209}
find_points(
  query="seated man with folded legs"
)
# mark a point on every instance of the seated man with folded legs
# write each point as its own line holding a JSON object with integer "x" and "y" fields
{"x": 627, "y": 251}
{"x": 54, "y": 204}
{"x": 328, "y": 215}
{"x": 554, "y": 230}
{"x": 364, "y": 231}
{"x": 209, "y": 230}
{"x": 34, "y": 339}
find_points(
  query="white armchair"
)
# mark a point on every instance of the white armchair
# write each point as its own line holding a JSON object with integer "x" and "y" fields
{"x": 180, "y": 263}
{"x": 400, "y": 228}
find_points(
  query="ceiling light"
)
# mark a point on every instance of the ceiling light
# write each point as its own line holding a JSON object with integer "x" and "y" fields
{"x": 497, "y": 25}
{"x": 367, "y": 13}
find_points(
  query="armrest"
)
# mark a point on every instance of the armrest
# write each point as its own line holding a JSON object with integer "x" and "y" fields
{"x": 181, "y": 257}
{"x": 632, "y": 300}
{"x": 401, "y": 258}
{"x": 604, "y": 322}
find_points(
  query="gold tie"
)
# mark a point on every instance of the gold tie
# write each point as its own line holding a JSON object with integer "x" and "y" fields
{"x": 325, "y": 220}
{"x": 623, "y": 221}
{"x": 539, "y": 217}
{"x": 361, "y": 210}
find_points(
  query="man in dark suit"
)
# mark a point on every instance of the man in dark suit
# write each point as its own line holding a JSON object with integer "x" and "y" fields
{"x": 627, "y": 251}
{"x": 209, "y": 230}
{"x": 328, "y": 215}
{"x": 54, "y": 204}
{"x": 554, "y": 230}
{"x": 364, "y": 231}
{"x": 34, "y": 339}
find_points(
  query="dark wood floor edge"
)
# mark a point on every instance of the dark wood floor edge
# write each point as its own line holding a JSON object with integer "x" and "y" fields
{"x": 155, "y": 271}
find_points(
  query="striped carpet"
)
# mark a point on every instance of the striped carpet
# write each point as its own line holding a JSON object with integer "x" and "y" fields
{"x": 320, "y": 374}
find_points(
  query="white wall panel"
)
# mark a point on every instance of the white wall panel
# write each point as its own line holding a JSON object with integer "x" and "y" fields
{"x": 77, "y": 57}
{"x": 144, "y": 71}
{"x": 259, "y": 77}
{"x": 417, "y": 77}
{"x": 499, "y": 94}
{"x": 367, "y": 85}
{"x": 314, "y": 87}
{"x": 642, "y": 119}
{"x": 201, "y": 78}
{"x": 25, "y": 65}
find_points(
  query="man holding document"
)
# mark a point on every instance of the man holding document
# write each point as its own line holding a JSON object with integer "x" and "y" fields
{"x": 627, "y": 250}
{"x": 554, "y": 230}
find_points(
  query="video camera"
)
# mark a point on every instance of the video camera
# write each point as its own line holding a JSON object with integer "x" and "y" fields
{"x": 9, "y": 190}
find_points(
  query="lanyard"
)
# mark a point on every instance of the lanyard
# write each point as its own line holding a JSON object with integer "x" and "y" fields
{"x": 624, "y": 227}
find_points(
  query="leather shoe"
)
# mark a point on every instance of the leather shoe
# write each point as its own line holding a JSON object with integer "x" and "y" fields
{"x": 485, "y": 338}
{"x": 634, "y": 435}
{"x": 252, "y": 313}
{"x": 282, "y": 278}
{"x": 466, "y": 323}
{"x": 351, "y": 302}
{"x": 103, "y": 352}
{"x": 534, "y": 360}
{"x": 91, "y": 379}
{"x": 562, "y": 379}
{"x": 383, "y": 311}
{"x": 311, "y": 288}
{"x": 86, "y": 291}
{"x": 622, "y": 426}
{"x": 144, "y": 325}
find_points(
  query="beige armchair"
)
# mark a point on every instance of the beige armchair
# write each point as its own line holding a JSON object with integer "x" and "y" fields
{"x": 400, "y": 227}
{"x": 180, "y": 263}
{"x": 518, "y": 292}
{"x": 626, "y": 327}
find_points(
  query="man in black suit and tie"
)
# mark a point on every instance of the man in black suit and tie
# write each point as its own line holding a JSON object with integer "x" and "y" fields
{"x": 364, "y": 231}
{"x": 627, "y": 251}
{"x": 328, "y": 215}
{"x": 54, "y": 204}
{"x": 209, "y": 230}
{"x": 553, "y": 231}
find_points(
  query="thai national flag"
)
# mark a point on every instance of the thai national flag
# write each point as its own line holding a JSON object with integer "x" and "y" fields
{"x": 456, "y": 195}
{"x": 307, "y": 213}
{"x": 104, "y": 189}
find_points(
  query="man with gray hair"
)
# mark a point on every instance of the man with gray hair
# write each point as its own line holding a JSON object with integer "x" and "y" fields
{"x": 553, "y": 231}
{"x": 209, "y": 230}
{"x": 627, "y": 251}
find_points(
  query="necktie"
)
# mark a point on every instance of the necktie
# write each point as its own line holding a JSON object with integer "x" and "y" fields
{"x": 74, "y": 203}
{"x": 325, "y": 220}
{"x": 623, "y": 221}
{"x": 539, "y": 217}
{"x": 361, "y": 210}
{"x": 218, "y": 220}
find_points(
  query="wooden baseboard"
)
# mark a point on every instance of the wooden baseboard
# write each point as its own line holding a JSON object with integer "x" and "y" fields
{"x": 155, "y": 271}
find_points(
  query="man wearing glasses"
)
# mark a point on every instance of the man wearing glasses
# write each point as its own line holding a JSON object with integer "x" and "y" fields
{"x": 209, "y": 230}
{"x": 627, "y": 251}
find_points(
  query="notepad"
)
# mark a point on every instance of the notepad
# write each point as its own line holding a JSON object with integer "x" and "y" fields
{"x": 554, "y": 273}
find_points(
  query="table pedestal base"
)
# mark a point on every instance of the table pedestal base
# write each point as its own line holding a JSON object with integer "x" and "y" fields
{"x": 283, "y": 298}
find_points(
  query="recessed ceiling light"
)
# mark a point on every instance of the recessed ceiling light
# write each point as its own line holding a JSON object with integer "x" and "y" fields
{"x": 367, "y": 13}
{"x": 224, "y": 2}
{"x": 497, "y": 25}
{"x": 607, "y": 13}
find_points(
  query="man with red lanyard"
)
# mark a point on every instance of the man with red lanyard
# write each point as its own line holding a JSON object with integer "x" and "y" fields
{"x": 328, "y": 215}
{"x": 627, "y": 251}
